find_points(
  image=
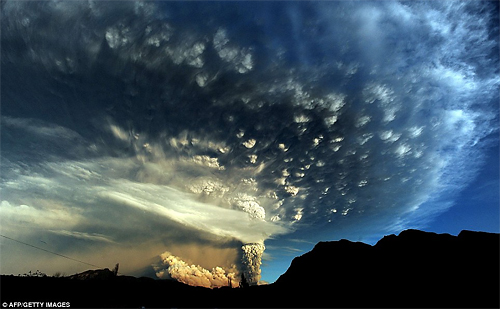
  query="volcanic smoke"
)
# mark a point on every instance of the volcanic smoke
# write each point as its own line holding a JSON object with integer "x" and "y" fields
{"x": 251, "y": 260}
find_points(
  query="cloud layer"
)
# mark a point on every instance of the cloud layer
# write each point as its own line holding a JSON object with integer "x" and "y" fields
{"x": 227, "y": 125}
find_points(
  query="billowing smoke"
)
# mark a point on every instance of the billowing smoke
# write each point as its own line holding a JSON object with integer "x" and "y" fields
{"x": 173, "y": 267}
{"x": 251, "y": 260}
{"x": 220, "y": 126}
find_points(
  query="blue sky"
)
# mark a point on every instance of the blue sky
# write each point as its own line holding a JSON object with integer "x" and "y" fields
{"x": 475, "y": 208}
{"x": 179, "y": 138}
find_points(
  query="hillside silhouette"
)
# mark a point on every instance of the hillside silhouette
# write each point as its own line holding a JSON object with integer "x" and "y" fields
{"x": 413, "y": 269}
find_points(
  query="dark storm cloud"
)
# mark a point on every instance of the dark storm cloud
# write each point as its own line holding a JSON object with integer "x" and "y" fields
{"x": 237, "y": 122}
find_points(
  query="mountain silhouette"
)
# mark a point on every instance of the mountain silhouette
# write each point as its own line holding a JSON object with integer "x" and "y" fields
{"x": 413, "y": 269}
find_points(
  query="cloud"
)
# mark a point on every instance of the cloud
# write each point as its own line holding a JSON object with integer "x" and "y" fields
{"x": 82, "y": 235}
{"x": 149, "y": 122}
{"x": 49, "y": 214}
{"x": 173, "y": 267}
{"x": 68, "y": 198}
{"x": 179, "y": 207}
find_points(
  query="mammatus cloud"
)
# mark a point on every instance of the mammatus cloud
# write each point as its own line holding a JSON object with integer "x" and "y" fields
{"x": 149, "y": 123}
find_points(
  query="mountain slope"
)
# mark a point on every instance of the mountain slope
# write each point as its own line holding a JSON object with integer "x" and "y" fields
{"x": 414, "y": 269}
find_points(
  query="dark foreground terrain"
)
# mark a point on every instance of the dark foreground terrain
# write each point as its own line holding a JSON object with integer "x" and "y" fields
{"x": 414, "y": 269}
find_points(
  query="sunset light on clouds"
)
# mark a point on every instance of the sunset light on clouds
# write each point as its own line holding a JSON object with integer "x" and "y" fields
{"x": 181, "y": 139}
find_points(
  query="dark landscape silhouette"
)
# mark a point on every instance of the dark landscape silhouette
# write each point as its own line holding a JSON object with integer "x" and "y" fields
{"x": 413, "y": 269}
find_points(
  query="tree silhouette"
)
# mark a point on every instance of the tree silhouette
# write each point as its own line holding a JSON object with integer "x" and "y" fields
{"x": 115, "y": 270}
{"x": 244, "y": 282}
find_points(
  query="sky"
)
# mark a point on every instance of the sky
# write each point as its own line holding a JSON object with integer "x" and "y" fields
{"x": 199, "y": 141}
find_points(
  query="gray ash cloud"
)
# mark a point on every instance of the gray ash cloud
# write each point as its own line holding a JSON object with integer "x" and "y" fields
{"x": 240, "y": 121}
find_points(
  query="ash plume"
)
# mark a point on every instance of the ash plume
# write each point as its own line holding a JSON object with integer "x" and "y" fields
{"x": 251, "y": 260}
{"x": 173, "y": 267}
